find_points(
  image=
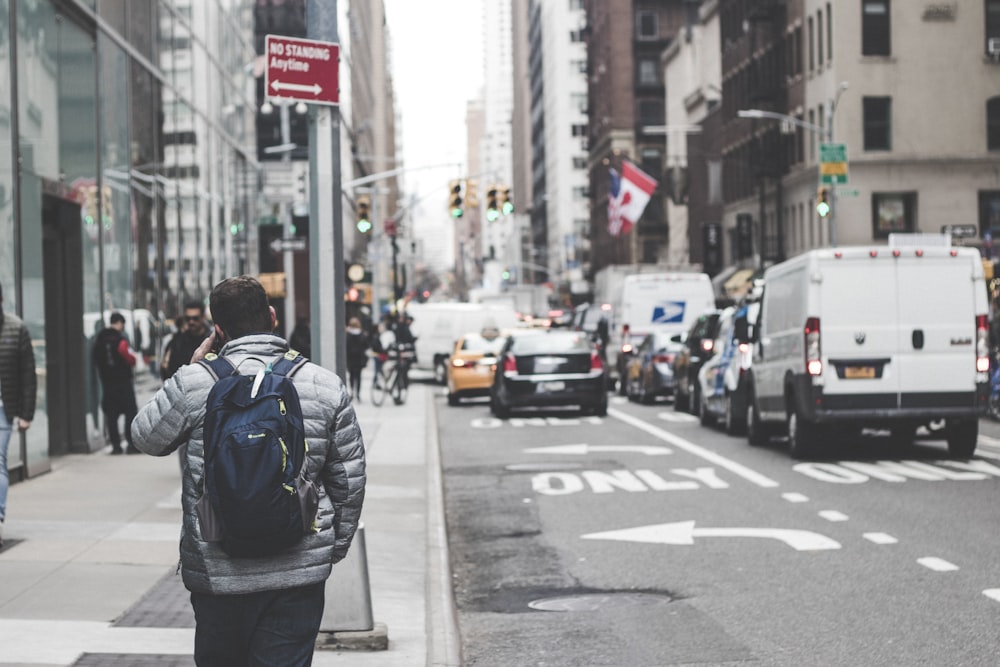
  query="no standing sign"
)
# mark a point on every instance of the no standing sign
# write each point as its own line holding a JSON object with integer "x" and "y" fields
{"x": 302, "y": 69}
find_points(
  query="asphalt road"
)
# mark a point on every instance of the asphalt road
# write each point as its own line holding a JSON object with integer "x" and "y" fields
{"x": 644, "y": 538}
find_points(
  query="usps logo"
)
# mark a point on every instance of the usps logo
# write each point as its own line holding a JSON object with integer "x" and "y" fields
{"x": 669, "y": 312}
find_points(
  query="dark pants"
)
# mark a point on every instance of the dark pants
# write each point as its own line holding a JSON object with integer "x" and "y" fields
{"x": 258, "y": 629}
{"x": 119, "y": 399}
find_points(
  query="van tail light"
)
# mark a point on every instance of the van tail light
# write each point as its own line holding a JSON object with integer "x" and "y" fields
{"x": 627, "y": 348}
{"x": 663, "y": 359}
{"x": 510, "y": 365}
{"x": 982, "y": 344}
{"x": 746, "y": 357}
{"x": 814, "y": 360}
{"x": 707, "y": 344}
{"x": 595, "y": 362}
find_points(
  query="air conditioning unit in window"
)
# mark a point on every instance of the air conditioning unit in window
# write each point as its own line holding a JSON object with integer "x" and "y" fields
{"x": 993, "y": 46}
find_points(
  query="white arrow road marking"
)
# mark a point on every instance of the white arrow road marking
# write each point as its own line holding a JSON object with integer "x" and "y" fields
{"x": 880, "y": 538}
{"x": 584, "y": 449}
{"x": 937, "y": 564}
{"x": 795, "y": 497}
{"x": 684, "y": 532}
{"x": 833, "y": 515}
{"x": 697, "y": 450}
{"x": 992, "y": 593}
{"x": 314, "y": 88}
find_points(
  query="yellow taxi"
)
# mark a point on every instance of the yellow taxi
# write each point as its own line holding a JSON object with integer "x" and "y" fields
{"x": 472, "y": 363}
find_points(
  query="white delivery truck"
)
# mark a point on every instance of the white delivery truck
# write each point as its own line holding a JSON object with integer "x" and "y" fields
{"x": 871, "y": 337}
{"x": 664, "y": 302}
{"x": 438, "y": 325}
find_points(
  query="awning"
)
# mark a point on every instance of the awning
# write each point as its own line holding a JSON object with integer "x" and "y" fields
{"x": 739, "y": 283}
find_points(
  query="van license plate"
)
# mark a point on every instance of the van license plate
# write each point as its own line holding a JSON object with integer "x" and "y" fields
{"x": 551, "y": 386}
{"x": 859, "y": 372}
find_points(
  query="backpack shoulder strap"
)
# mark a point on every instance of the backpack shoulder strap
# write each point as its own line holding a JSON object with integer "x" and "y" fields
{"x": 288, "y": 364}
{"x": 218, "y": 367}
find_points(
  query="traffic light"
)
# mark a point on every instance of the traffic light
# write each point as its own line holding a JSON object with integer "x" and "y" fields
{"x": 455, "y": 199}
{"x": 823, "y": 201}
{"x": 506, "y": 205}
{"x": 492, "y": 205}
{"x": 364, "y": 204}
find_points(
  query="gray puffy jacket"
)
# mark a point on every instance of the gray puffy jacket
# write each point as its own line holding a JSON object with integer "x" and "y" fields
{"x": 336, "y": 459}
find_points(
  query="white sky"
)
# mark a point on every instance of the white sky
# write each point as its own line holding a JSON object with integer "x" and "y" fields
{"x": 437, "y": 69}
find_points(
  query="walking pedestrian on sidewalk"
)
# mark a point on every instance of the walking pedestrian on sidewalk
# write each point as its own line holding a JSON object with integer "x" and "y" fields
{"x": 357, "y": 356}
{"x": 18, "y": 386}
{"x": 114, "y": 361}
{"x": 264, "y": 610}
{"x": 193, "y": 329}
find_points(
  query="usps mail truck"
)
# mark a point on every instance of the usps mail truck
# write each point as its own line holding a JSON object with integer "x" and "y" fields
{"x": 662, "y": 302}
{"x": 887, "y": 338}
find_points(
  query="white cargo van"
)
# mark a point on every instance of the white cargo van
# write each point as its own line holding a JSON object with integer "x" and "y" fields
{"x": 879, "y": 337}
{"x": 663, "y": 302}
{"x": 438, "y": 325}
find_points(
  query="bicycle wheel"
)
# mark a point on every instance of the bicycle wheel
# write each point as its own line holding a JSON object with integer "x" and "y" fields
{"x": 399, "y": 388}
{"x": 381, "y": 386}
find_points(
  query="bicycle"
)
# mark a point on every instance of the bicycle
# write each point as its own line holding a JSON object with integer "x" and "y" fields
{"x": 393, "y": 379}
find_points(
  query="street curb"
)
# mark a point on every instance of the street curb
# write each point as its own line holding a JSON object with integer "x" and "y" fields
{"x": 444, "y": 643}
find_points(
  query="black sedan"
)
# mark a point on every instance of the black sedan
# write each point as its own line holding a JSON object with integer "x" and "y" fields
{"x": 553, "y": 367}
{"x": 650, "y": 372}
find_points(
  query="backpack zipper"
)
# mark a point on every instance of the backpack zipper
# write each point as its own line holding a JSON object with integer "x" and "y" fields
{"x": 284, "y": 463}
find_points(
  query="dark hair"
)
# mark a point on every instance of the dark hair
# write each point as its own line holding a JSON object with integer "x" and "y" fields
{"x": 239, "y": 306}
{"x": 116, "y": 317}
{"x": 191, "y": 305}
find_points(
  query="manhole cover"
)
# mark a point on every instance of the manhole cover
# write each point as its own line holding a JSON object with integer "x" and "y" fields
{"x": 542, "y": 467}
{"x": 597, "y": 601}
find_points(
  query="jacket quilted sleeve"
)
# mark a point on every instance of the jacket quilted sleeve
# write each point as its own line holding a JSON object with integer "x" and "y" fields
{"x": 166, "y": 422}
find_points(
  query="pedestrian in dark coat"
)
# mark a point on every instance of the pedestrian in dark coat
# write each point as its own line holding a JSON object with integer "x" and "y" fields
{"x": 114, "y": 361}
{"x": 357, "y": 355}
{"x": 18, "y": 387}
{"x": 193, "y": 330}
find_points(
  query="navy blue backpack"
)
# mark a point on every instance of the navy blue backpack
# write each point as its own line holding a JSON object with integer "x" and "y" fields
{"x": 257, "y": 499}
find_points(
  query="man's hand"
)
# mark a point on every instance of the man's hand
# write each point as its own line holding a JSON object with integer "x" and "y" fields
{"x": 23, "y": 424}
{"x": 204, "y": 348}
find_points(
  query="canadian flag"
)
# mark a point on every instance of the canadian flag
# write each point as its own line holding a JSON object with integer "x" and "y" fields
{"x": 628, "y": 195}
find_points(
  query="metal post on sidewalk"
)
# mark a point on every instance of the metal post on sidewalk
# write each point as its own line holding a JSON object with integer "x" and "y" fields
{"x": 348, "y": 592}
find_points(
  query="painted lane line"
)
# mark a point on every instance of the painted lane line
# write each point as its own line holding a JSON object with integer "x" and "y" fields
{"x": 680, "y": 443}
{"x": 880, "y": 538}
{"x": 992, "y": 593}
{"x": 988, "y": 455}
{"x": 677, "y": 417}
{"x": 684, "y": 532}
{"x": 795, "y": 497}
{"x": 833, "y": 515}
{"x": 937, "y": 564}
{"x": 582, "y": 449}
{"x": 989, "y": 441}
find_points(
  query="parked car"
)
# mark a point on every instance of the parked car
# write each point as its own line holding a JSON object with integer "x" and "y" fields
{"x": 699, "y": 345}
{"x": 548, "y": 368}
{"x": 723, "y": 378}
{"x": 650, "y": 372}
{"x": 471, "y": 365}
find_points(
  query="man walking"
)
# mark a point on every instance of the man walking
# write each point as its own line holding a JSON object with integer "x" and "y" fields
{"x": 114, "y": 362}
{"x": 192, "y": 331}
{"x": 18, "y": 386}
{"x": 261, "y": 610}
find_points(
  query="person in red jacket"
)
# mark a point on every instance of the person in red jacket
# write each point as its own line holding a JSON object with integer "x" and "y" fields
{"x": 114, "y": 362}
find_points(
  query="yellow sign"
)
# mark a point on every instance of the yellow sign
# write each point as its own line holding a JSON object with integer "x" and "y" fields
{"x": 274, "y": 284}
{"x": 833, "y": 168}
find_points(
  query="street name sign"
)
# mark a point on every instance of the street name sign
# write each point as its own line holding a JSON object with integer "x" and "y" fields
{"x": 833, "y": 163}
{"x": 305, "y": 70}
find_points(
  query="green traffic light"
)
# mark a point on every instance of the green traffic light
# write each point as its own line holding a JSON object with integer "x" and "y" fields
{"x": 492, "y": 214}
{"x": 505, "y": 275}
{"x": 823, "y": 209}
{"x": 234, "y": 229}
{"x": 457, "y": 212}
{"x": 508, "y": 208}
{"x": 364, "y": 226}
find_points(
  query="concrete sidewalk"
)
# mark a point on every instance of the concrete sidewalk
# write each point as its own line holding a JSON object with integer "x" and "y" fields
{"x": 87, "y": 573}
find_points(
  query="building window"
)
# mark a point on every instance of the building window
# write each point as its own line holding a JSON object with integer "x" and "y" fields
{"x": 819, "y": 37}
{"x": 893, "y": 213}
{"x": 646, "y": 26}
{"x": 579, "y": 163}
{"x": 875, "y": 28}
{"x": 993, "y": 27}
{"x": 798, "y": 50}
{"x": 579, "y": 130}
{"x": 993, "y": 124}
{"x": 650, "y": 112}
{"x": 829, "y": 33}
{"x": 575, "y": 4}
{"x": 878, "y": 123}
{"x": 989, "y": 212}
{"x": 576, "y": 36}
{"x": 812, "y": 54}
{"x": 649, "y": 72}
{"x": 812, "y": 136}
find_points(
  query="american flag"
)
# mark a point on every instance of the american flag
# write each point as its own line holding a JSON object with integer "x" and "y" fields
{"x": 628, "y": 195}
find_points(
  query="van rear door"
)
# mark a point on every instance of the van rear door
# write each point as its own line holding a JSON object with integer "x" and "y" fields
{"x": 937, "y": 332}
{"x": 859, "y": 326}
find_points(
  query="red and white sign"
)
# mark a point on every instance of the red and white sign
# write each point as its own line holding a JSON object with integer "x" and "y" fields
{"x": 302, "y": 69}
